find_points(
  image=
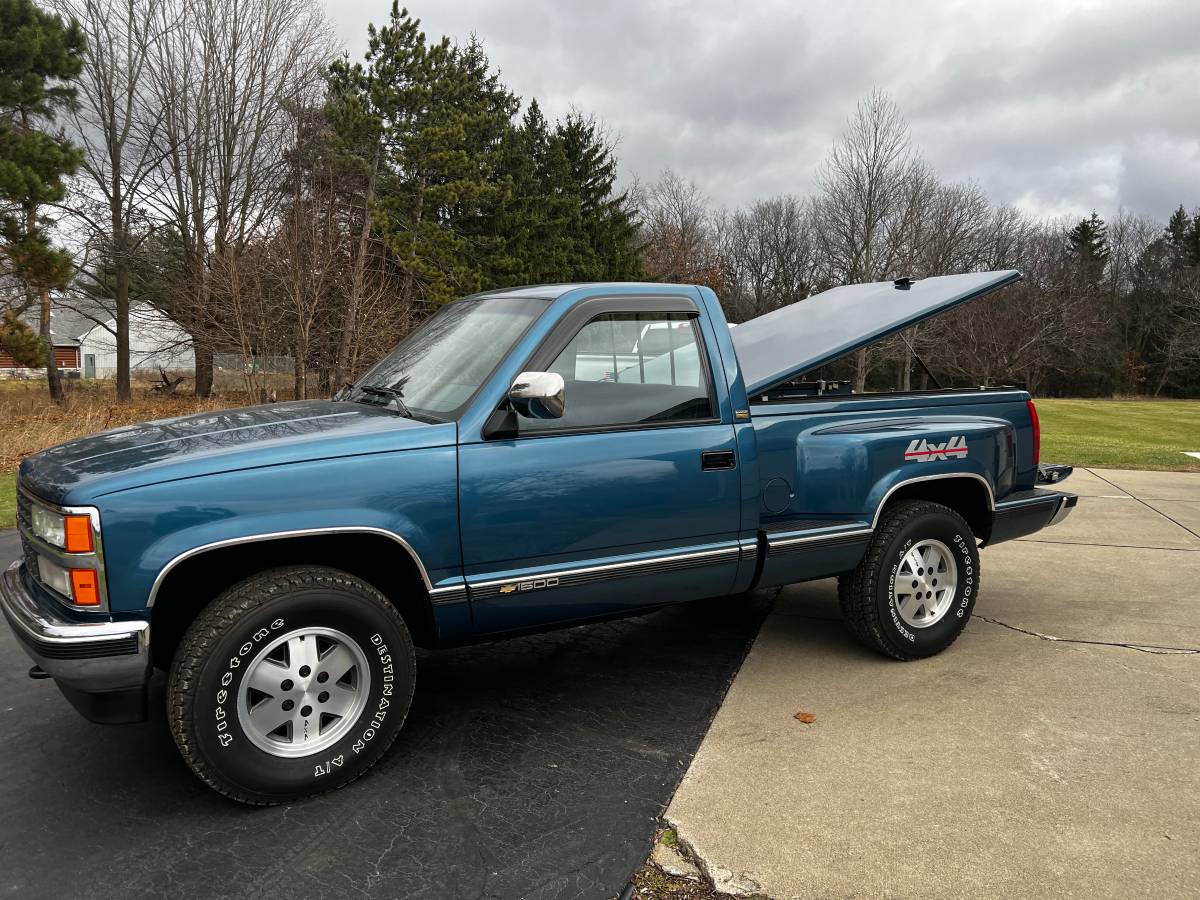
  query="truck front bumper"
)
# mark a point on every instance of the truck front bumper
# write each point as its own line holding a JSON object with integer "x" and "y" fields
{"x": 103, "y": 668}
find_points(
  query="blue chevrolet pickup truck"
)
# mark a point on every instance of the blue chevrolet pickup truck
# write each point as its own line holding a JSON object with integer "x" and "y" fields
{"x": 528, "y": 458}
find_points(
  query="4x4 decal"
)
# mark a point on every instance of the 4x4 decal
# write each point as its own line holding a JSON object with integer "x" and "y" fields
{"x": 923, "y": 451}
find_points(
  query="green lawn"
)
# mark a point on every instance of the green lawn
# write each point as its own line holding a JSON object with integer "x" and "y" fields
{"x": 1121, "y": 434}
{"x": 8, "y": 499}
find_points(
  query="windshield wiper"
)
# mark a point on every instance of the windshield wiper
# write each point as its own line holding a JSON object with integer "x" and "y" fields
{"x": 394, "y": 394}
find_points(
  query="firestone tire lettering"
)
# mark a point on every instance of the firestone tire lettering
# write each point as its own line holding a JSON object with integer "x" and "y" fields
{"x": 867, "y": 595}
{"x": 215, "y": 654}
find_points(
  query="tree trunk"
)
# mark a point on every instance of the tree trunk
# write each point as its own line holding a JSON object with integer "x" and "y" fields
{"x": 341, "y": 368}
{"x": 904, "y": 374}
{"x": 299, "y": 366}
{"x": 860, "y": 370}
{"x": 121, "y": 265}
{"x": 1162, "y": 382}
{"x": 53, "y": 381}
{"x": 124, "y": 388}
{"x": 203, "y": 351}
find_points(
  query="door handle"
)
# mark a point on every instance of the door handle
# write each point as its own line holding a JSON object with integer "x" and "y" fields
{"x": 716, "y": 460}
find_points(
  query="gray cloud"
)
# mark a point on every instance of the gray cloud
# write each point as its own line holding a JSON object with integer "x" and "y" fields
{"x": 1057, "y": 107}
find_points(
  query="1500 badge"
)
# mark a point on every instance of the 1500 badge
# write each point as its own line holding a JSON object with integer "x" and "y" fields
{"x": 923, "y": 451}
{"x": 536, "y": 585}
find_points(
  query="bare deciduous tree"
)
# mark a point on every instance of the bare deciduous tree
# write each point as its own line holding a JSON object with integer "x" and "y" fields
{"x": 115, "y": 123}
{"x": 1048, "y": 322}
{"x": 872, "y": 189}
{"x": 677, "y": 231}
{"x": 225, "y": 82}
{"x": 767, "y": 255}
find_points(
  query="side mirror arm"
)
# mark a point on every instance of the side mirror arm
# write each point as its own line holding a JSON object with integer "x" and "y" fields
{"x": 501, "y": 425}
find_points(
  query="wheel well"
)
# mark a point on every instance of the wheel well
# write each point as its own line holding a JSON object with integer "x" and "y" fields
{"x": 199, "y": 579}
{"x": 966, "y": 496}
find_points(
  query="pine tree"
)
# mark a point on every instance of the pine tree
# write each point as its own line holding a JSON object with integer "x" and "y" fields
{"x": 607, "y": 231}
{"x": 564, "y": 222}
{"x": 1089, "y": 239}
{"x": 444, "y": 117}
{"x": 1087, "y": 245}
{"x": 21, "y": 341}
{"x": 1183, "y": 234}
{"x": 527, "y": 219}
{"x": 1178, "y": 226}
{"x": 1193, "y": 239}
{"x": 355, "y": 148}
{"x": 39, "y": 55}
{"x": 468, "y": 199}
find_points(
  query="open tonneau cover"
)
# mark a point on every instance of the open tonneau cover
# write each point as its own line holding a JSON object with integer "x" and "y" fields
{"x": 784, "y": 343}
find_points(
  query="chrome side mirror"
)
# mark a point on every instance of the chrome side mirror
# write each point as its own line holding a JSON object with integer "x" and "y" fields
{"x": 538, "y": 395}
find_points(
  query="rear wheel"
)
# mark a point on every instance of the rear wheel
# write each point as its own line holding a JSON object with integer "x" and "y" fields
{"x": 913, "y": 593}
{"x": 292, "y": 683}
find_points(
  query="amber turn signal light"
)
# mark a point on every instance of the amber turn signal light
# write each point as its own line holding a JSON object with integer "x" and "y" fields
{"x": 78, "y": 531}
{"x": 85, "y": 587}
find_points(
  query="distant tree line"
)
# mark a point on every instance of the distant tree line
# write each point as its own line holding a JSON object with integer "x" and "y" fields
{"x": 1103, "y": 308}
{"x": 222, "y": 162}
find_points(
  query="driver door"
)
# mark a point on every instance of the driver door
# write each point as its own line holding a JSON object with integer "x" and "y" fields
{"x": 631, "y": 499}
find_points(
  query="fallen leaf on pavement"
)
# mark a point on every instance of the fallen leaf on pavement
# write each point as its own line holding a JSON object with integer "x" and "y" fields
{"x": 806, "y": 717}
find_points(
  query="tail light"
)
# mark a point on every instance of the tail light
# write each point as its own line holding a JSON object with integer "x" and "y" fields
{"x": 1037, "y": 433}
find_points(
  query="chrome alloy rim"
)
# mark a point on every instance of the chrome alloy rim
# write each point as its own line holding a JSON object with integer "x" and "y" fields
{"x": 303, "y": 692}
{"x": 925, "y": 583}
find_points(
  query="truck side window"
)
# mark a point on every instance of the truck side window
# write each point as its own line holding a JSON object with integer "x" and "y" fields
{"x": 629, "y": 369}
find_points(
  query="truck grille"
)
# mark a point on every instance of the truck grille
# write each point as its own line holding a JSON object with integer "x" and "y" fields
{"x": 25, "y": 527}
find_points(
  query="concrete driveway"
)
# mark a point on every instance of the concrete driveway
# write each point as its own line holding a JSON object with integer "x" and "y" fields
{"x": 1053, "y": 750}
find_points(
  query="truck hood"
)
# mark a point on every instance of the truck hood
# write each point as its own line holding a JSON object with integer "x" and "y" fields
{"x": 776, "y": 347}
{"x": 151, "y": 452}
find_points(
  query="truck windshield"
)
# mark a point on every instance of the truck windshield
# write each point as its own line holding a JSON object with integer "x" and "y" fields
{"x": 436, "y": 370}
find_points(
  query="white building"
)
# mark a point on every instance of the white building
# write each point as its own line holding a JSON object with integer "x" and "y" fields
{"x": 155, "y": 342}
{"x": 85, "y": 341}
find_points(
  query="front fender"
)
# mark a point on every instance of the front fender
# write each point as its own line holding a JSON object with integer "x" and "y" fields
{"x": 409, "y": 495}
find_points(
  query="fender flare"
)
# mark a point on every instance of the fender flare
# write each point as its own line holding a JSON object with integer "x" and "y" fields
{"x": 283, "y": 535}
{"x": 991, "y": 494}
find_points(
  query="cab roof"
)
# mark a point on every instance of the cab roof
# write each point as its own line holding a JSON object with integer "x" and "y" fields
{"x": 554, "y": 291}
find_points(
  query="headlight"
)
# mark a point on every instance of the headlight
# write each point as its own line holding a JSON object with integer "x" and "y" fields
{"x": 49, "y": 526}
{"x": 80, "y": 586}
{"x": 72, "y": 533}
{"x": 54, "y": 577}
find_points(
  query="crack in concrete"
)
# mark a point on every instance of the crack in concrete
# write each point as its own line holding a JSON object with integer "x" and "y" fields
{"x": 718, "y": 878}
{"x": 1128, "y": 645}
{"x": 1145, "y": 504}
{"x": 1112, "y": 546}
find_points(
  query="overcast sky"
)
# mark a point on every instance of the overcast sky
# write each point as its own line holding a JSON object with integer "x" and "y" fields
{"x": 1058, "y": 107}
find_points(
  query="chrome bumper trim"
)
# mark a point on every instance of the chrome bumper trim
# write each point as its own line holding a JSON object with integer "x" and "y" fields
{"x": 1065, "y": 505}
{"x": 89, "y": 656}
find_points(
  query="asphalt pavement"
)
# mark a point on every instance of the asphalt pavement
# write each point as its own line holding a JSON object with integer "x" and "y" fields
{"x": 536, "y": 767}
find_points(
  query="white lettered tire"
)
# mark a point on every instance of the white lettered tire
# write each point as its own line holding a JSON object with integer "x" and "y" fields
{"x": 291, "y": 683}
{"x": 913, "y": 593}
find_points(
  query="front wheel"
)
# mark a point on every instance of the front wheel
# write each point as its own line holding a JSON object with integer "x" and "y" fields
{"x": 913, "y": 593}
{"x": 291, "y": 683}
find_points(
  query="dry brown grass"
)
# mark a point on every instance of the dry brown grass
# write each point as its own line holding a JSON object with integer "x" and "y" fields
{"x": 30, "y": 422}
